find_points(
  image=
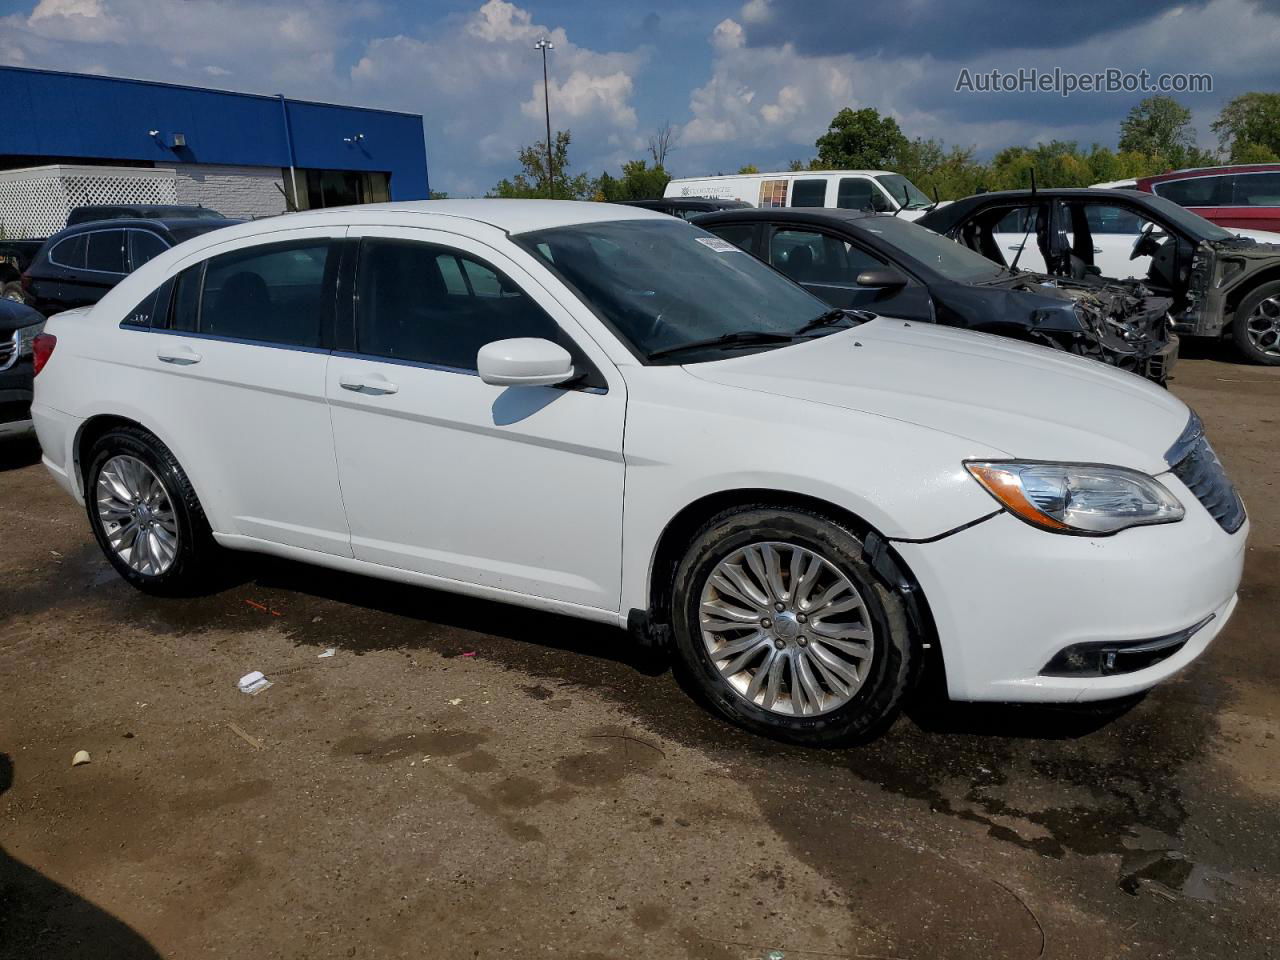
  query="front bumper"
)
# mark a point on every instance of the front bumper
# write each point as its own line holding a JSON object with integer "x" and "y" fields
{"x": 1007, "y": 598}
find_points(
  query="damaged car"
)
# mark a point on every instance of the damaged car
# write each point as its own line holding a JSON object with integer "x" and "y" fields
{"x": 887, "y": 265}
{"x": 1222, "y": 283}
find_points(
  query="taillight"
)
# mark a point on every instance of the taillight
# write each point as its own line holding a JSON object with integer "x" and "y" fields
{"x": 42, "y": 349}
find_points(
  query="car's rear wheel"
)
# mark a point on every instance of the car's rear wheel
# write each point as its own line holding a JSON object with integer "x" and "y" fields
{"x": 787, "y": 631}
{"x": 145, "y": 513}
{"x": 1256, "y": 328}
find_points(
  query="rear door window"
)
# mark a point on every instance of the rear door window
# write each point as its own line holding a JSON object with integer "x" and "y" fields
{"x": 739, "y": 234}
{"x": 106, "y": 251}
{"x": 280, "y": 293}
{"x": 1214, "y": 191}
{"x": 809, "y": 193}
{"x": 143, "y": 246}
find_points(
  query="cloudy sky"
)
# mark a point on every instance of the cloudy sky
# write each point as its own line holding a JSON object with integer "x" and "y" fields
{"x": 751, "y": 82}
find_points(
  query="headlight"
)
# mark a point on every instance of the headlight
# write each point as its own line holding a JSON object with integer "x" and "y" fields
{"x": 25, "y": 336}
{"x": 1077, "y": 498}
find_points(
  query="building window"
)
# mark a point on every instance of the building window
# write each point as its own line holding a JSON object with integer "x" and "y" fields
{"x": 337, "y": 188}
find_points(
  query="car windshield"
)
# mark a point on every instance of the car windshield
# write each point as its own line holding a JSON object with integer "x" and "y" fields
{"x": 662, "y": 284}
{"x": 932, "y": 250}
{"x": 1192, "y": 223}
{"x": 897, "y": 184}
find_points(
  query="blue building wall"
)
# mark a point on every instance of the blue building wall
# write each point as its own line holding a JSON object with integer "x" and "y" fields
{"x": 73, "y": 116}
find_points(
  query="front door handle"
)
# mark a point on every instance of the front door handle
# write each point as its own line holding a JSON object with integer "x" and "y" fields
{"x": 1097, "y": 249}
{"x": 183, "y": 356}
{"x": 374, "y": 386}
{"x": 1016, "y": 246}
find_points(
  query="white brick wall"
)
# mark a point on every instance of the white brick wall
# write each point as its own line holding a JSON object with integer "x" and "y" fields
{"x": 241, "y": 192}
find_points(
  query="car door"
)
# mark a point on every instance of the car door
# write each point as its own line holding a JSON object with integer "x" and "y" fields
{"x": 828, "y": 267}
{"x": 143, "y": 246}
{"x": 1015, "y": 236}
{"x": 105, "y": 265}
{"x": 235, "y": 372}
{"x": 1115, "y": 228}
{"x": 514, "y": 489}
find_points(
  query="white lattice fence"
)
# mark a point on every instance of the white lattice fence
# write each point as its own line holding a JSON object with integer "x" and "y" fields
{"x": 34, "y": 202}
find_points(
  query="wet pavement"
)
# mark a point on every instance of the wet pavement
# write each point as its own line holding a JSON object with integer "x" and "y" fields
{"x": 464, "y": 779}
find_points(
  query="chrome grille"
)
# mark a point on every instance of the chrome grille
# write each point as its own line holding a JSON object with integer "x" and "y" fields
{"x": 1194, "y": 463}
{"x": 8, "y": 352}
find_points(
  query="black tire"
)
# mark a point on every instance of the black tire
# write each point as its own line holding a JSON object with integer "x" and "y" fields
{"x": 195, "y": 561}
{"x": 896, "y": 657}
{"x": 1252, "y": 351}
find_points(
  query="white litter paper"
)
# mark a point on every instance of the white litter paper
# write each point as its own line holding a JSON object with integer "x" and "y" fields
{"x": 253, "y": 683}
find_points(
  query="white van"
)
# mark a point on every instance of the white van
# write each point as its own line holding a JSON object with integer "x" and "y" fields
{"x": 879, "y": 190}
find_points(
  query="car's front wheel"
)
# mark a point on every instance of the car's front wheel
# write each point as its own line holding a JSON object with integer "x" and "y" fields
{"x": 786, "y": 630}
{"x": 145, "y": 514}
{"x": 1256, "y": 327}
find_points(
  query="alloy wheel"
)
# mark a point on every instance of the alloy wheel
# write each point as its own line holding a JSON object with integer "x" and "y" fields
{"x": 137, "y": 516}
{"x": 787, "y": 630}
{"x": 1263, "y": 326}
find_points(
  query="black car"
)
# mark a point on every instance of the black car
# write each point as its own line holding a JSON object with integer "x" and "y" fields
{"x": 1220, "y": 283}
{"x": 18, "y": 326}
{"x": 686, "y": 208}
{"x": 880, "y": 263}
{"x": 78, "y": 265}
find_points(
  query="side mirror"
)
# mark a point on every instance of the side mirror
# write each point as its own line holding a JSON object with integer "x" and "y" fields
{"x": 885, "y": 277}
{"x": 524, "y": 362}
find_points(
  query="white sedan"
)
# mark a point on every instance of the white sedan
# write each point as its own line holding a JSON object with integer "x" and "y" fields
{"x": 607, "y": 412}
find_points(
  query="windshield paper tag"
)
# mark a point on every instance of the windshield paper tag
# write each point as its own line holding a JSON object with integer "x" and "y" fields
{"x": 718, "y": 245}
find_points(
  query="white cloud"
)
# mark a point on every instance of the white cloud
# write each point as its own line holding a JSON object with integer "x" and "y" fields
{"x": 756, "y": 11}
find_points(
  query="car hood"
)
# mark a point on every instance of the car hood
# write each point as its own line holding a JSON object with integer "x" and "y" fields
{"x": 14, "y": 315}
{"x": 1025, "y": 401}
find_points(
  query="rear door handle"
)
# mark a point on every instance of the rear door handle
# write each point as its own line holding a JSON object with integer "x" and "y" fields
{"x": 374, "y": 386}
{"x": 183, "y": 356}
{"x": 1016, "y": 246}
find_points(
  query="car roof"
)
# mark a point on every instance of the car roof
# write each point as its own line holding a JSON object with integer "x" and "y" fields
{"x": 812, "y": 215}
{"x": 1191, "y": 172}
{"x": 946, "y": 215}
{"x": 144, "y": 223}
{"x": 510, "y": 216}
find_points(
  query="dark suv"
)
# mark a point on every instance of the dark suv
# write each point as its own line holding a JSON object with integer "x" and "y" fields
{"x": 78, "y": 265}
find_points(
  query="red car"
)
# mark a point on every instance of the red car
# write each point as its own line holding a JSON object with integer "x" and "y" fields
{"x": 1241, "y": 197}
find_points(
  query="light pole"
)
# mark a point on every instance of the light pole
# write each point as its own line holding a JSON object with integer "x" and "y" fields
{"x": 544, "y": 45}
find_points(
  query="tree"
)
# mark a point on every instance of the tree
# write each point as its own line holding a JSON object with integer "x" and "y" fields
{"x": 532, "y": 180}
{"x": 662, "y": 142}
{"x": 748, "y": 168}
{"x": 860, "y": 139}
{"x": 1250, "y": 125}
{"x": 1160, "y": 128}
{"x": 639, "y": 181}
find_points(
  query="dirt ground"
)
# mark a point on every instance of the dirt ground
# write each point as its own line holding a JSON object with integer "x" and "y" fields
{"x": 464, "y": 779}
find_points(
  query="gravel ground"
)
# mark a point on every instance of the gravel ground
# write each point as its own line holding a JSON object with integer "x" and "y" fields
{"x": 464, "y": 779}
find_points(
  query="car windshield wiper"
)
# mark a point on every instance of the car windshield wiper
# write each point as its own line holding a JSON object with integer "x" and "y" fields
{"x": 736, "y": 339}
{"x": 832, "y": 317}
